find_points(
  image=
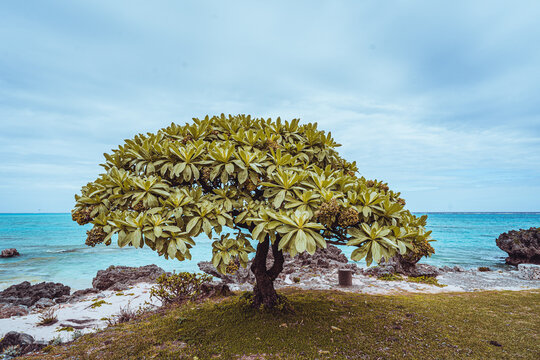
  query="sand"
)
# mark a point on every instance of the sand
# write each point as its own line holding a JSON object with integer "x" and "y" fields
{"x": 136, "y": 297}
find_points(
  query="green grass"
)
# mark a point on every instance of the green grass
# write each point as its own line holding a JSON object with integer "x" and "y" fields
{"x": 328, "y": 325}
{"x": 391, "y": 277}
{"x": 98, "y": 303}
{"x": 66, "y": 328}
{"x": 425, "y": 280}
{"x": 417, "y": 279}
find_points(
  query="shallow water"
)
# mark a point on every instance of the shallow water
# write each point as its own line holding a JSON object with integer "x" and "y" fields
{"x": 52, "y": 246}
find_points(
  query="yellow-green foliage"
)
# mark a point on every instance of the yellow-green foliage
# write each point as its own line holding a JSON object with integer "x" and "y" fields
{"x": 47, "y": 317}
{"x": 390, "y": 277}
{"x": 11, "y": 351}
{"x": 178, "y": 288}
{"x": 280, "y": 180}
{"x": 417, "y": 279}
{"x": 425, "y": 280}
{"x": 66, "y": 328}
{"x": 98, "y": 303}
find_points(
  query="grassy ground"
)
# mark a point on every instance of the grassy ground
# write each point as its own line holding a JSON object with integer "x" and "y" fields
{"x": 328, "y": 325}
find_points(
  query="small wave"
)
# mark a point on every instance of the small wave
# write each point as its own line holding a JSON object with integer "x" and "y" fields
{"x": 62, "y": 251}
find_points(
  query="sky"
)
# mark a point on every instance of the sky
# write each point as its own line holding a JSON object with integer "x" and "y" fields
{"x": 438, "y": 98}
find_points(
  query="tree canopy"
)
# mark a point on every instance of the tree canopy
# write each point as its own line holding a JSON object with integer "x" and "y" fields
{"x": 277, "y": 180}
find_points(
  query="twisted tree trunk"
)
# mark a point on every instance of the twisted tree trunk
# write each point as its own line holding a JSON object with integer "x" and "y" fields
{"x": 263, "y": 291}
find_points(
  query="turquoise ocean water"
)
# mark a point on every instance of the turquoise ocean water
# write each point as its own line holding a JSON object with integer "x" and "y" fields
{"x": 52, "y": 246}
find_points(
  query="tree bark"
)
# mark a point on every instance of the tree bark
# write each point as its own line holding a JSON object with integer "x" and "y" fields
{"x": 263, "y": 291}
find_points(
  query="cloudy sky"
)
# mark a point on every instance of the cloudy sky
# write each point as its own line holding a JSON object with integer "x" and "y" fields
{"x": 438, "y": 98}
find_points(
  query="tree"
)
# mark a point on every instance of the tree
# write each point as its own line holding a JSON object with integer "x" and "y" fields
{"x": 278, "y": 184}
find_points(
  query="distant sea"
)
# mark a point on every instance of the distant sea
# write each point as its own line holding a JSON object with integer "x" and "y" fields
{"x": 52, "y": 246}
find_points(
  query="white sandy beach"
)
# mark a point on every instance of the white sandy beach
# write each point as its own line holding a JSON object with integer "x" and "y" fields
{"x": 136, "y": 297}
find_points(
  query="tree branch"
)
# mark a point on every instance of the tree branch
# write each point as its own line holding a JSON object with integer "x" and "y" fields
{"x": 338, "y": 234}
{"x": 335, "y": 242}
{"x": 258, "y": 266}
{"x": 258, "y": 194}
{"x": 279, "y": 260}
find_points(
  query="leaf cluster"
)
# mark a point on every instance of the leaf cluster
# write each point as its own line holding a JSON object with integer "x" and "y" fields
{"x": 178, "y": 288}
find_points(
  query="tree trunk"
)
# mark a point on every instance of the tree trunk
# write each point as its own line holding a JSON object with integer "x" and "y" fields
{"x": 263, "y": 291}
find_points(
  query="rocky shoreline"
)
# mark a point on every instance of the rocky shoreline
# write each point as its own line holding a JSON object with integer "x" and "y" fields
{"x": 23, "y": 307}
{"x": 320, "y": 271}
{"x": 119, "y": 288}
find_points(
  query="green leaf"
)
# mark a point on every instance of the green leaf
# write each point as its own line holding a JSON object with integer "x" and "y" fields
{"x": 242, "y": 176}
{"x": 402, "y": 247}
{"x": 278, "y": 200}
{"x": 172, "y": 229}
{"x": 216, "y": 259}
{"x": 361, "y": 252}
{"x": 300, "y": 241}
{"x": 195, "y": 172}
{"x": 221, "y": 220}
{"x": 123, "y": 240}
{"x": 376, "y": 251}
{"x": 136, "y": 238}
{"x": 207, "y": 227}
{"x": 226, "y": 258}
{"x": 285, "y": 240}
{"x": 257, "y": 231}
{"x": 311, "y": 246}
{"x": 179, "y": 168}
{"x": 171, "y": 249}
{"x": 191, "y": 224}
{"x": 224, "y": 177}
{"x": 181, "y": 246}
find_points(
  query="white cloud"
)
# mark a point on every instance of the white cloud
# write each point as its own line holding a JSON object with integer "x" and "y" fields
{"x": 436, "y": 99}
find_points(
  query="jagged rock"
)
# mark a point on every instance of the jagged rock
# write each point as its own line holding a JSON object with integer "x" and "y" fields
{"x": 380, "y": 270}
{"x": 405, "y": 266}
{"x": 241, "y": 276}
{"x": 529, "y": 271}
{"x": 122, "y": 286}
{"x": 14, "y": 338}
{"x": 9, "y": 253}
{"x": 62, "y": 299}
{"x": 27, "y": 294}
{"x": 448, "y": 269}
{"x": 424, "y": 270}
{"x": 211, "y": 289}
{"x": 330, "y": 258}
{"x": 43, "y": 303}
{"x": 121, "y": 277}
{"x": 523, "y": 246}
{"x": 35, "y": 346}
{"x": 8, "y": 310}
{"x": 24, "y": 341}
{"x": 77, "y": 295}
{"x": 324, "y": 260}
